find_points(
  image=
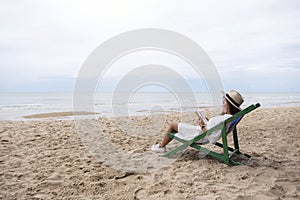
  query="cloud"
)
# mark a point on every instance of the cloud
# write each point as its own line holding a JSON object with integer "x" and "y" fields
{"x": 53, "y": 38}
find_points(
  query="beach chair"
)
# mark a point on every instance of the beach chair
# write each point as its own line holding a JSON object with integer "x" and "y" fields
{"x": 225, "y": 156}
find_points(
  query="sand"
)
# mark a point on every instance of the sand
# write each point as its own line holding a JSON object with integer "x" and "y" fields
{"x": 48, "y": 159}
{"x": 58, "y": 114}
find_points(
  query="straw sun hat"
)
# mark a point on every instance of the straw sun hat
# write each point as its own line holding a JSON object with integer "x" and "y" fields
{"x": 234, "y": 98}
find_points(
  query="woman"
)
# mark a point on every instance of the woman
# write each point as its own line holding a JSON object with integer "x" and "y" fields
{"x": 231, "y": 105}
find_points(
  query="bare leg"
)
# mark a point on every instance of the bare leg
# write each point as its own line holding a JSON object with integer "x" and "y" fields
{"x": 173, "y": 127}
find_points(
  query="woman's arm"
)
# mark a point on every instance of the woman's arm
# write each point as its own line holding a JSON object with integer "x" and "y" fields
{"x": 202, "y": 125}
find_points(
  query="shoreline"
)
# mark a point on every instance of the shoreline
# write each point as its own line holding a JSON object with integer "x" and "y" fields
{"x": 69, "y": 115}
{"x": 15, "y": 105}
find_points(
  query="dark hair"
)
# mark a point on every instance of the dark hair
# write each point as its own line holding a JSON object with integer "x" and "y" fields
{"x": 233, "y": 110}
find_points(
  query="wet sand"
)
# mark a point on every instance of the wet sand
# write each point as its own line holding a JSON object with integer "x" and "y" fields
{"x": 58, "y": 114}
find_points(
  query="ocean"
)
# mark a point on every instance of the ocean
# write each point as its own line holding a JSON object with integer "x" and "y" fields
{"x": 14, "y": 106}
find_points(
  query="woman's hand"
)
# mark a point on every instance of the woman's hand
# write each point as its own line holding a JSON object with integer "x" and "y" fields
{"x": 201, "y": 123}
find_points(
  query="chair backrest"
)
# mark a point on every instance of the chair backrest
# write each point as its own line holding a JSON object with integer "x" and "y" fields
{"x": 233, "y": 124}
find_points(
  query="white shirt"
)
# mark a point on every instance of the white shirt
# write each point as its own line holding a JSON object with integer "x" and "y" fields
{"x": 215, "y": 136}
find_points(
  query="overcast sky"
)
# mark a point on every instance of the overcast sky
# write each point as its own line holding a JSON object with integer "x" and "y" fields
{"x": 254, "y": 44}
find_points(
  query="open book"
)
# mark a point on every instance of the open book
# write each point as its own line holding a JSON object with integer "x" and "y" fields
{"x": 201, "y": 116}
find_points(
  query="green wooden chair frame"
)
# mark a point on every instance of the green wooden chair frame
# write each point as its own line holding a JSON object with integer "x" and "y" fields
{"x": 225, "y": 157}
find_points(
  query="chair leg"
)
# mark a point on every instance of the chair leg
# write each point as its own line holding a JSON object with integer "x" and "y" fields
{"x": 208, "y": 152}
{"x": 225, "y": 147}
{"x": 180, "y": 148}
{"x": 235, "y": 139}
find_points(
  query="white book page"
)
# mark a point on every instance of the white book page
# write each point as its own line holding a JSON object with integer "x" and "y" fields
{"x": 201, "y": 116}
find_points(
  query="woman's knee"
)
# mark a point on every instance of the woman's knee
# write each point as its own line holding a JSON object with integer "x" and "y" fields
{"x": 174, "y": 125}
